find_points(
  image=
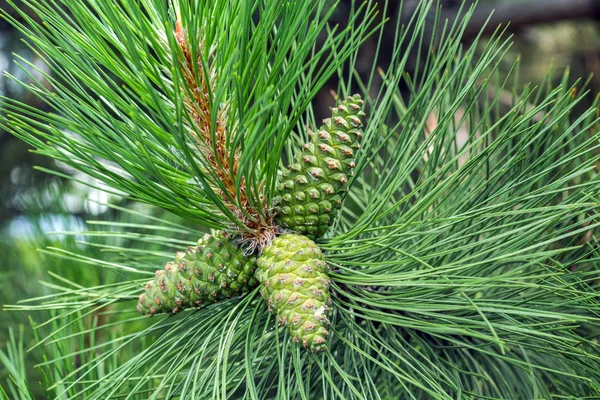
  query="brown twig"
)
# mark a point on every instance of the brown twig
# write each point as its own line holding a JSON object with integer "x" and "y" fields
{"x": 216, "y": 147}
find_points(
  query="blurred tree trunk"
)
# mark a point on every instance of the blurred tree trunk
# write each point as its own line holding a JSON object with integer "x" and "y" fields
{"x": 524, "y": 13}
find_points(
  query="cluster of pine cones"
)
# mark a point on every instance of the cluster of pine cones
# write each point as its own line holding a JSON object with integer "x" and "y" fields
{"x": 291, "y": 272}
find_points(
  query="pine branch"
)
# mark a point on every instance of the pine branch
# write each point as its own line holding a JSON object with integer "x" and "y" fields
{"x": 462, "y": 263}
{"x": 134, "y": 107}
{"x": 215, "y": 142}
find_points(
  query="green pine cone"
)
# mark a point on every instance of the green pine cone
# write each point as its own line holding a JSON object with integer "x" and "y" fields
{"x": 293, "y": 276}
{"x": 310, "y": 193}
{"x": 213, "y": 270}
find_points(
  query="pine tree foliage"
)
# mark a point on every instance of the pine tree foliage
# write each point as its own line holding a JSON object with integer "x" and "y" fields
{"x": 463, "y": 264}
{"x": 126, "y": 123}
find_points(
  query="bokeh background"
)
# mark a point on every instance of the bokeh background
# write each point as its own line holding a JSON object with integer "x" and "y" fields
{"x": 550, "y": 36}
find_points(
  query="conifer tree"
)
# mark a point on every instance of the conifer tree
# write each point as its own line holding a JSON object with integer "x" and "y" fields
{"x": 374, "y": 255}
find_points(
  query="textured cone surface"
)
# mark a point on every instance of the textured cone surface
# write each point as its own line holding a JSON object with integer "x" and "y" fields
{"x": 293, "y": 276}
{"x": 310, "y": 192}
{"x": 213, "y": 270}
